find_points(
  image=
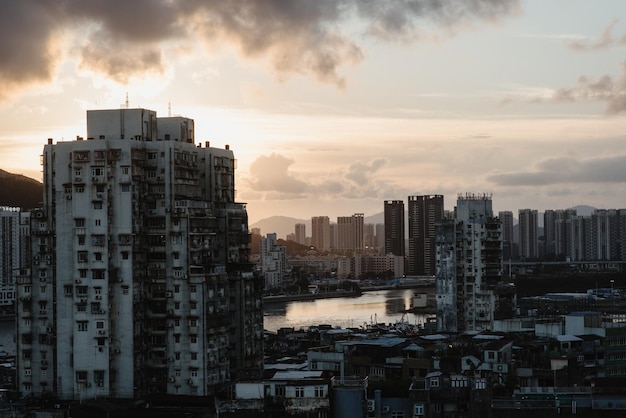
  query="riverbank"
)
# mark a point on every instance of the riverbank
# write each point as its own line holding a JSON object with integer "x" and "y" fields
{"x": 343, "y": 293}
{"x": 311, "y": 296}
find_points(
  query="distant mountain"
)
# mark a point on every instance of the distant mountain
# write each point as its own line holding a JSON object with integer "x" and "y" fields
{"x": 281, "y": 225}
{"x": 20, "y": 191}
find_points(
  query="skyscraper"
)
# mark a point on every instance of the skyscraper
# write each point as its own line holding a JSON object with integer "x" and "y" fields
{"x": 528, "y": 234}
{"x": 424, "y": 213}
{"x": 394, "y": 228}
{"x": 301, "y": 234}
{"x": 350, "y": 236}
{"x": 469, "y": 274}
{"x": 320, "y": 233}
{"x": 149, "y": 289}
{"x": 506, "y": 217}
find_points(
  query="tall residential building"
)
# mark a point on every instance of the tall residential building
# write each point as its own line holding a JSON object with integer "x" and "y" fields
{"x": 369, "y": 236}
{"x": 557, "y": 231}
{"x": 148, "y": 290}
{"x": 320, "y": 233}
{"x": 380, "y": 236}
{"x": 469, "y": 289}
{"x": 350, "y": 233}
{"x": 424, "y": 213}
{"x": 14, "y": 253}
{"x": 506, "y": 217}
{"x": 394, "y": 227}
{"x": 528, "y": 234}
{"x": 273, "y": 260}
{"x": 301, "y": 234}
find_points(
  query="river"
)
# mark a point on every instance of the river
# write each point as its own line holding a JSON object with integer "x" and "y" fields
{"x": 382, "y": 306}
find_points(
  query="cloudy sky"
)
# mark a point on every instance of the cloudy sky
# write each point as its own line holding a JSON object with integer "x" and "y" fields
{"x": 332, "y": 106}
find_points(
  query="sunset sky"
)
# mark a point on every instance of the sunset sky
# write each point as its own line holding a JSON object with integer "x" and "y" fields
{"x": 332, "y": 106}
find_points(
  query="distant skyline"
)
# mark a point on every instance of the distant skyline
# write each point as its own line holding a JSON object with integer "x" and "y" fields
{"x": 333, "y": 107}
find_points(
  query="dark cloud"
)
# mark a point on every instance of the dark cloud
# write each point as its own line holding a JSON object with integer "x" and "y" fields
{"x": 122, "y": 38}
{"x": 566, "y": 170}
{"x": 605, "y": 41}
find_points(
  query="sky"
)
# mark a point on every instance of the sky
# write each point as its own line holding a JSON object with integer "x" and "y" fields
{"x": 333, "y": 106}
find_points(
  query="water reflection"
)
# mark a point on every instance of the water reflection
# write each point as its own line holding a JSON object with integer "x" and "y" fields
{"x": 385, "y": 306}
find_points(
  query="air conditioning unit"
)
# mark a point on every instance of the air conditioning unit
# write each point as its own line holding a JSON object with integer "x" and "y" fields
{"x": 100, "y": 384}
{"x": 190, "y": 381}
{"x": 172, "y": 380}
{"x": 385, "y": 409}
{"x": 117, "y": 351}
{"x": 101, "y": 332}
{"x": 98, "y": 297}
{"x": 371, "y": 405}
{"x": 78, "y": 281}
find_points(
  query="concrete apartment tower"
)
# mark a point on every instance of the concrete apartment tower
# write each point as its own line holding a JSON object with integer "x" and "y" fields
{"x": 350, "y": 234}
{"x": 469, "y": 289}
{"x": 320, "y": 232}
{"x": 424, "y": 213}
{"x": 528, "y": 234}
{"x": 145, "y": 288}
{"x": 394, "y": 227}
{"x": 300, "y": 232}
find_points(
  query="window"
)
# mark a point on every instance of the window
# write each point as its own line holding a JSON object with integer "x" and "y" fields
{"x": 81, "y": 240}
{"x": 299, "y": 392}
{"x": 193, "y": 339}
{"x": 177, "y": 356}
{"x": 125, "y": 188}
{"x": 97, "y": 274}
{"x": 83, "y": 326}
{"x": 319, "y": 391}
{"x": 192, "y": 289}
{"x": 97, "y": 205}
{"x": 97, "y": 256}
{"x": 434, "y": 382}
{"x": 192, "y": 305}
{"x": 124, "y": 255}
{"x": 81, "y": 376}
{"x": 279, "y": 390}
{"x": 82, "y": 273}
{"x": 194, "y": 373}
{"x": 194, "y": 356}
{"x": 176, "y": 305}
{"x": 176, "y": 338}
{"x": 100, "y": 324}
{"x": 79, "y": 222}
{"x": 97, "y": 171}
{"x": 397, "y": 414}
{"x": 176, "y": 288}
{"x": 418, "y": 409}
{"x": 193, "y": 323}
{"x": 80, "y": 188}
{"x": 97, "y": 222}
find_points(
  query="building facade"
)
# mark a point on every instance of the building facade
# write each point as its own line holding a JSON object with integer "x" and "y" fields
{"x": 394, "y": 227}
{"x": 273, "y": 258}
{"x": 473, "y": 245}
{"x": 320, "y": 233}
{"x": 528, "y": 234}
{"x": 145, "y": 287}
{"x": 424, "y": 213}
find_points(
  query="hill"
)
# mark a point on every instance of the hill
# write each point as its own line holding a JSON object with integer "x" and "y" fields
{"x": 20, "y": 191}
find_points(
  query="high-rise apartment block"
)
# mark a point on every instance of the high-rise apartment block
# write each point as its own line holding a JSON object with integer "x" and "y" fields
{"x": 350, "y": 237}
{"x": 394, "y": 227}
{"x": 424, "y": 213}
{"x": 273, "y": 260}
{"x": 320, "y": 233}
{"x": 528, "y": 234}
{"x": 142, "y": 285}
{"x": 14, "y": 254}
{"x": 469, "y": 274}
{"x": 300, "y": 234}
{"x": 508, "y": 247}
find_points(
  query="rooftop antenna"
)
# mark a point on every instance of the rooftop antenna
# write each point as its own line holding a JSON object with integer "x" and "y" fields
{"x": 126, "y": 103}
{"x": 169, "y": 109}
